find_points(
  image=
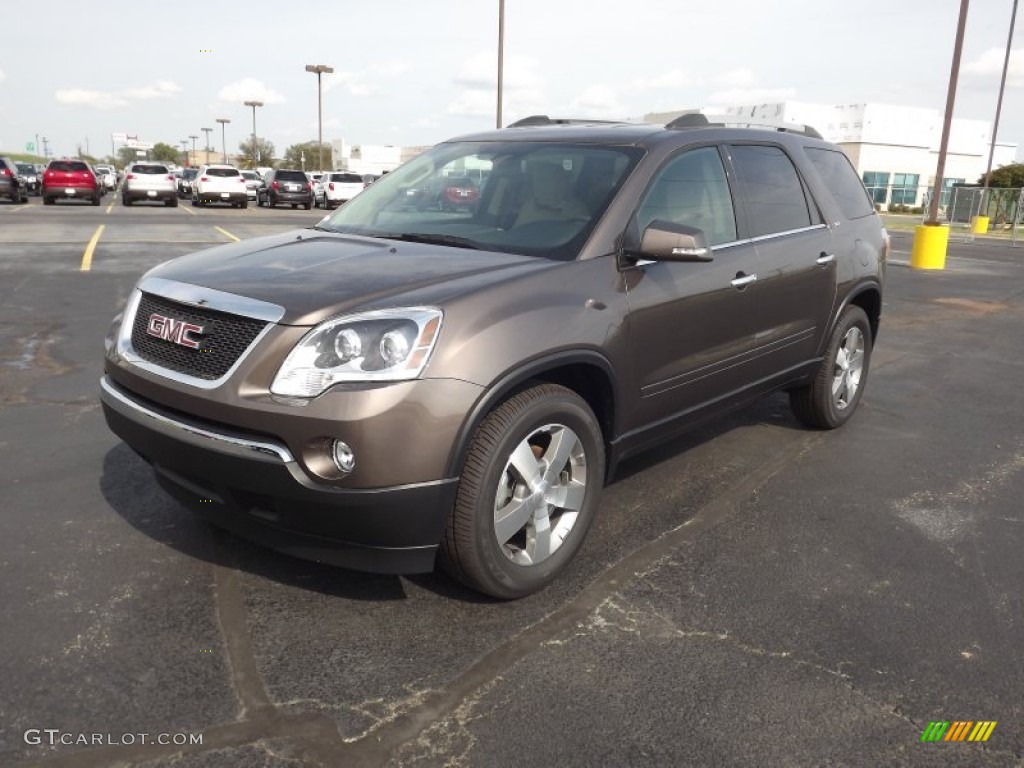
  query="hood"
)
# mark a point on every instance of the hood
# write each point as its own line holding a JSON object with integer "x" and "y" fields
{"x": 316, "y": 275}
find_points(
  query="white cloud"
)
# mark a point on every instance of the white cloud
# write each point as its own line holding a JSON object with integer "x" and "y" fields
{"x": 249, "y": 89}
{"x": 3, "y": 76}
{"x": 392, "y": 68}
{"x": 597, "y": 101}
{"x": 673, "y": 78}
{"x": 80, "y": 97}
{"x": 736, "y": 78}
{"x": 84, "y": 97}
{"x": 990, "y": 63}
{"x": 751, "y": 95}
{"x": 353, "y": 82}
{"x": 481, "y": 71}
{"x": 158, "y": 90}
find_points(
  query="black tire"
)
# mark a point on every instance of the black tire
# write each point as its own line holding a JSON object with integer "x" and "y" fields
{"x": 306, "y": 207}
{"x": 96, "y": 200}
{"x": 47, "y": 200}
{"x": 171, "y": 202}
{"x": 244, "y": 204}
{"x": 470, "y": 550}
{"x": 846, "y": 362}
{"x": 126, "y": 201}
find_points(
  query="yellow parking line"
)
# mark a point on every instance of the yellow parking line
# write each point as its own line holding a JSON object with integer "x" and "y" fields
{"x": 87, "y": 256}
{"x": 110, "y": 207}
{"x": 228, "y": 234}
{"x": 186, "y": 210}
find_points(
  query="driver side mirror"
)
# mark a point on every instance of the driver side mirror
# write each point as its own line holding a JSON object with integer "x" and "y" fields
{"x": 669, "y": 241}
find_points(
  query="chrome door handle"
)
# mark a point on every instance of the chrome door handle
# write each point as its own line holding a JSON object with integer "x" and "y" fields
{"x": 743, "y": 282}
{"x": 826, "y": 258}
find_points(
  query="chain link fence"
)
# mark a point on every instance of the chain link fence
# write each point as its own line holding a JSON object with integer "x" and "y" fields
{"x": 959, "y": 207}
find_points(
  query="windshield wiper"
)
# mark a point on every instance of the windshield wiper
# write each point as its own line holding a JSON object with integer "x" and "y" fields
{"x": 433, "y": 239}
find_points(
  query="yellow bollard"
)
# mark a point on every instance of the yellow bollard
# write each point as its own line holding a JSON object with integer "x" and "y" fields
{"x": 929, "y": 249}
{"x": 979, "y": 225}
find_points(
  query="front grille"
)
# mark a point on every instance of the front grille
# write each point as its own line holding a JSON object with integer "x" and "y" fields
{"x": 223, "y": 340}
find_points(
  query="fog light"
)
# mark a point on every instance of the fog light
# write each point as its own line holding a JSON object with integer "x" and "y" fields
{"x": 344, "y": 457}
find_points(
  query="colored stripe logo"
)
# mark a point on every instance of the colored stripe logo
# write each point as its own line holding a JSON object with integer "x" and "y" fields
{"x": 959, "y": 730}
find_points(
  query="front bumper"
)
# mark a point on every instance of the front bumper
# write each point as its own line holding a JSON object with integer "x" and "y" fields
{"x": 253, "y": 486}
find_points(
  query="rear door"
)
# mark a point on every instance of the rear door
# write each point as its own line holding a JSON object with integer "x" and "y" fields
{"x": 795, "y": 265}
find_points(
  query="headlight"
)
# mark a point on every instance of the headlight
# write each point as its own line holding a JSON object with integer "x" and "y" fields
{"x": 385, "y": 345}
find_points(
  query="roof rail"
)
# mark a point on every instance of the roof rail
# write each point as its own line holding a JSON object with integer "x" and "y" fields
{"x": 699, "y": 120}
{"x": 545, "y": 120}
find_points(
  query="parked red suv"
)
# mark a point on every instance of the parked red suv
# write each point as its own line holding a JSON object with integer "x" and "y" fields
{"x": 70, "y": 179}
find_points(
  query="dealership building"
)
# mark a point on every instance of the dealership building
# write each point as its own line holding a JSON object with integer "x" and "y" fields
{"x": 894, "y": 148}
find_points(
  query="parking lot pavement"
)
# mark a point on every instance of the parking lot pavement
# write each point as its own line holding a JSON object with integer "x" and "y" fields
{"x": 752, "y": 594}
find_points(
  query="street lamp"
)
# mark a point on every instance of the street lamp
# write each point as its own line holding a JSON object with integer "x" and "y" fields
{"x": 193, "y": 146}
{"x": 184, "y": 150}
{"x": 254, "y": 104}
{"x": 320, "y": 69}
{"x": 207, "y": 132}
{"x": 223, "y": 144}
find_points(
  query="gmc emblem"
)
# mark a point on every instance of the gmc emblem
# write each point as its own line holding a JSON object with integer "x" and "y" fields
{"x": 175, "y": 331}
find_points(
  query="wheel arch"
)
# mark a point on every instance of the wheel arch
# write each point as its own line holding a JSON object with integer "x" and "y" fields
{"x": 587, "y": 373}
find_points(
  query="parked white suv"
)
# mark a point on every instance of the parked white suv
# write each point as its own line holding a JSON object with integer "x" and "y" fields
{"x": 219, "y": 184}
{"x": 149, "y": 181}
{"x": 338, "y": 187}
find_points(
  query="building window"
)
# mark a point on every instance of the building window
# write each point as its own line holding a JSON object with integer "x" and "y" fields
{"x": 877, "y": 184}
{"x": 904, "y": 188}
{"x": 947, "y": 190}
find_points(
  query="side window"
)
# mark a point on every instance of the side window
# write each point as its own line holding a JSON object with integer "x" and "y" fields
{"x": 692, "y": 190}
{"x": 840, "y": 178}
{"x": 772, "y": 194}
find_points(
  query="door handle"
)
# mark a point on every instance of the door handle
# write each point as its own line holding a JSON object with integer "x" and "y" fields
{"x": 742, "y": 281}
{"x": 825, "y": 258}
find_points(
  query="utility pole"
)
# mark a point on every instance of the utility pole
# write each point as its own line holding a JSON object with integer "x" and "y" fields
{"x": 999, "y": 109}
{"x": 193, "y": 150}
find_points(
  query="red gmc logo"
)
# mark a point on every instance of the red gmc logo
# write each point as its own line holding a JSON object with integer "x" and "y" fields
{"x": 175, "y": 331}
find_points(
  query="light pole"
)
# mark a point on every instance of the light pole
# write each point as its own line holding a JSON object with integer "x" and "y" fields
{"x": 501, "y": 54}
{"x": 207, "y": 132}
{"x": 320, "y": 69}
{"x": 254, "y": 104}
{"x": 184, "y": 149}
{"x": 223, "y": 144}
{"x": 193, "y": 147}
{"x": 999, "y": 109}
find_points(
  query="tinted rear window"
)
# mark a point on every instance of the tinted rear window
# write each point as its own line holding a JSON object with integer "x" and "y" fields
{"x": 189, "y": 173}
{"x": 842, "y": 181}
{"x": 347, "y": 178}
{"x": 23, "y": 167}
{"x": 291, "y": 176}
{"x": 223, "y": 172}
{"x": 151, "y": 170}
{"x": 771, "y": 190}
{"x": 68, "y": 166}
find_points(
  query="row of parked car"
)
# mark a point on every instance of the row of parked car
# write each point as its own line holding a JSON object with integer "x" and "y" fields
{"x": 159, "y": 182}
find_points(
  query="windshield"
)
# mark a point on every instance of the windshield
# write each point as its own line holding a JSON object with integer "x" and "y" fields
{"x": 536, "y": 199}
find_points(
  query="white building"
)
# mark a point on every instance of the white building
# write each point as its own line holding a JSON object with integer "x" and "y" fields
{"x": 365, "y": 158}
{"x": 894, "y": 148}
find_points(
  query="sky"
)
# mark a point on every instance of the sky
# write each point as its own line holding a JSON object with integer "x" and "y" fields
{"x": 413, "y": 73}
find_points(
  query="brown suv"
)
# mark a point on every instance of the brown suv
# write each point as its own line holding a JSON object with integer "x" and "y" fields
{"x": 396, "y": 384}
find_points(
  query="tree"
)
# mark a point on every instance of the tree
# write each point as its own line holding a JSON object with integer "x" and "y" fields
{"x": 293, "y": 156}
{"x": 164, "y": 153}
{"x": 264, "y": 155}
{"x": 125, "y": 156}
{"x": 1006, "y": 177}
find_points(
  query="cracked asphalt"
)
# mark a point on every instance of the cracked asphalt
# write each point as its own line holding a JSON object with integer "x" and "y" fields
{"x": 752, "y": 594}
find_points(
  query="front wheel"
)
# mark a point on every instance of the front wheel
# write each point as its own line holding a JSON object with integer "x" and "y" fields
{"x": 528, "y": 493}
{"x": 832, "y": 397}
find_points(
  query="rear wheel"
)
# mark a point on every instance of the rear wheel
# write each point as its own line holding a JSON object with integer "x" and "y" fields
{"x": 832, "y": 397}
{"x": 171, "y": 202}
{"x": 47, "y": 200}
{"x": 528, "y": 493}
{"x": 96, "y": 200}
{"x": 126, "y": 201}
{"x": 306, "y": 207}
{"x": 244, "y": 204}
